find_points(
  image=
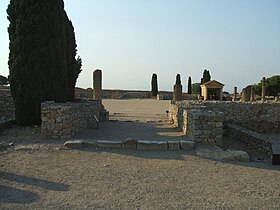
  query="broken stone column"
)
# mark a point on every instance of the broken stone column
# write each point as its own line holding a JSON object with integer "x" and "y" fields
{"x": 263, "y": 88}
{"x": 97, "y": 85}
{"x": 177, "y": 92}
{"x": 177, "y": 89}
{"x": 235, "y": 94}
{"x": 252, "y": 97}
{"x": 246, "y": 94}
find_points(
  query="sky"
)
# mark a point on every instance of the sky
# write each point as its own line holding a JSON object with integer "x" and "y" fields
{"x": 237, "y": 41}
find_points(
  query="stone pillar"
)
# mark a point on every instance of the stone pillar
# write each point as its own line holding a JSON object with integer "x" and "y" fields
{"x": 235, "y": 94}
{"x": 252, "y": 97}
{"x": 246, "y": 94}
{"x": 177, "y": 92}
{"x": 263, "y": 88}
{"x": 277, "y": 98}
{"x": 97, "y": 85}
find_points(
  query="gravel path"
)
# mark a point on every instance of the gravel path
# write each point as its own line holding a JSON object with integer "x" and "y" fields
{"x": 48, "y": 176}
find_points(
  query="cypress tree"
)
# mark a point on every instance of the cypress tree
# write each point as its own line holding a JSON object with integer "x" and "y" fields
{"x": 178, "y": 79}
{"x": 154, "y": 85}
{"x": 73, "y": 65}
{"x": 39, "y": 59}
{"x": 190, "y": 85}
{"x": 206, "y": 76}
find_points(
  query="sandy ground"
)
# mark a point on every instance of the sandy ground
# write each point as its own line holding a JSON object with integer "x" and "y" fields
{"x": 48, "y": 176}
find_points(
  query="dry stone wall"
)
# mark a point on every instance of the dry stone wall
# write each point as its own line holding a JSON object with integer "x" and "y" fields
{"x": 206, "y": 122}
{"x": 7, "y": 107}
{"x": 63, "y": 120}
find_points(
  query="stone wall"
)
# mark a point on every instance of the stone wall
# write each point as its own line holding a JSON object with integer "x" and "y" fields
{"x": 126, "y": 94}
{"x": 7, "y": 107}
{"x": 63, "y": 120}
{"x": 257, "y": 116}
{"x": 254, "y": 139}
{"x": 204, "y": 126}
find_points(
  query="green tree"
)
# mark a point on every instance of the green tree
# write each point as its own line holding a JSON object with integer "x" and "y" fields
{"x": 4, "y": 80}
{"x": 73, "y": 65}
{"x": 206, "y": 76}
{"x": 40, "y": 59}
{"x": 178, "y": 79}
{"x": 196, "y": 88}
{"x": 272, "y": 86}
{"x": 190, "y": 85}
{"x": 154, "y": 84}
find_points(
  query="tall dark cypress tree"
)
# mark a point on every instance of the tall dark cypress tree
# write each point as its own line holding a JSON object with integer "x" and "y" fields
{"x": 39, "y": 56}
{"x": 178, "y": 79}
{"x": 206, "y": 76}
{"x": 73, "y": 65}
{"x": 154, "y": 85}
{"x": 190, "y": 85}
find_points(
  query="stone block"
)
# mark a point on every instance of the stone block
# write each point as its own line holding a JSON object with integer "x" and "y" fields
{"x": 74, "y": 144}
{"x": 109, "y": 144}
{"x": 187, "y": 145}
{"x": 152, "y": 145}
{"x": 90, "y": 144}
{"x": 173, "y": 145}
{"x": 129, "y": 143}
{"x": 240, "y": 155}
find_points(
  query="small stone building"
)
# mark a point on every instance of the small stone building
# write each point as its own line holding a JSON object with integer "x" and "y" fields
{"x": 212, "y": 90}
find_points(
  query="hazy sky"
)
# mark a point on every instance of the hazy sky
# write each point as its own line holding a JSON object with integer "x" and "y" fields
{"x": 237, "y": 40}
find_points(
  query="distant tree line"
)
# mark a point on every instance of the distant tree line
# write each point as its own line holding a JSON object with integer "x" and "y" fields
{"x": 272, "y": 86}
{"x": 192, "y": 88}
{"x": 42, "y": 59}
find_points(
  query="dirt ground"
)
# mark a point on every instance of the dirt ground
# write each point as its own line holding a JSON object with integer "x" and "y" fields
{"x": 42, "y": 174}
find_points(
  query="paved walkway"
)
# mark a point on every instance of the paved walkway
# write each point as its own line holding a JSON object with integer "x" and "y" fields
{"x": 144, "y": 119}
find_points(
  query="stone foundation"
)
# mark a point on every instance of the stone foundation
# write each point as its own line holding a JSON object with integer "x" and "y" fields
{"x": 206, "y": 122}
{"x": 256, "y": 140}
{"x": 63, "y": 120}
{"x": 7, "y": 106}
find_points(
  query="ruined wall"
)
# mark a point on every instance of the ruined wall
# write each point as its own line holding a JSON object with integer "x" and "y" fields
{"x": 254, "y": 139}
{"x": 256, "y": 116}
{"x": 205, "y": 126}
{"x": 63, "y": 120}
{"x": 7, "y": 107}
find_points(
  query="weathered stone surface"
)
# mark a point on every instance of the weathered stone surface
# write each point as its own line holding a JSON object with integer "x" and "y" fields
{"x": 74, "y": 144}
{"x": 240, "y": 155}
{"x": 63, "y": 120}
{"x": 129, "y": 143}
{"x": 214, "y": 152}
{"x": 90, "y": 144}
{"x": 109, "y": 144}
{"x": 152, "y": 145}
{"x": 187, "y": 145}
{"x": 173, "y": 145}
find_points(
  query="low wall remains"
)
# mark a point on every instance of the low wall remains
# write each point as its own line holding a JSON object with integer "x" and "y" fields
{"x": 63, "y": 120}
{"x": 194, "y": 119}
{"x": 261, "y": 117}
{"x": 254, "y": 139}
{"x": 7, "y": 106}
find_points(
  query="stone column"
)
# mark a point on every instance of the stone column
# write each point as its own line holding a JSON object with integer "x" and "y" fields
{"x": 263, "y": 88}
{"x": 246, "y": 94}
{"x": 235, "y": 94}
{"x": 97, "y": 85}
{"x": 252, "y": 97}
{"x": 177, "y": 92}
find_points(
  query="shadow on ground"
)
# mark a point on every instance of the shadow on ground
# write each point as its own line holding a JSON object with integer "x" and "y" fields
{"x": 13, "y": 195}
{"x": 121, "y": 130}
